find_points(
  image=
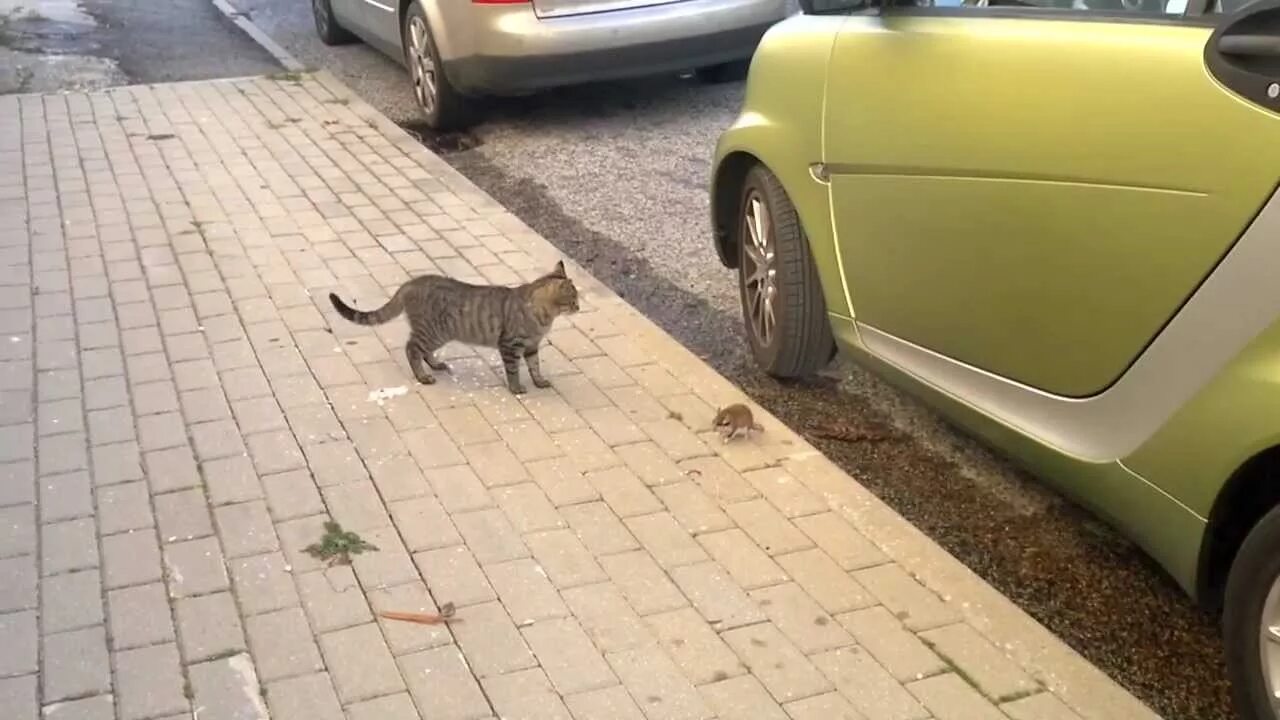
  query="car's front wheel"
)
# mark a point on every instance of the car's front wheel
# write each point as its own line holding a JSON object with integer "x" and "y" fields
{"x": 327, "y": 27}
{"x": 443, "y": 106}
{"x": 1251, "y": 622}
{"x": 782, "y": 304}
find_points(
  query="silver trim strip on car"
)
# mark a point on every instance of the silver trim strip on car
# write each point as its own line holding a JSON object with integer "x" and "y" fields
{"x": 380, "y": 6}
{"x": 1238, "y": 300}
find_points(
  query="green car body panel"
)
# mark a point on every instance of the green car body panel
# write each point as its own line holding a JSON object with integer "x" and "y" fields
{"x": 1050, "y": 249}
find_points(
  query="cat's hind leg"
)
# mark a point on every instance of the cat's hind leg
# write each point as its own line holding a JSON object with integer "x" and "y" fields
{"x": 415, "y": 351}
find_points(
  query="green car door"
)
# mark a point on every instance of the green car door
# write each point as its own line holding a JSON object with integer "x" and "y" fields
{"x": 1033, "y": 192}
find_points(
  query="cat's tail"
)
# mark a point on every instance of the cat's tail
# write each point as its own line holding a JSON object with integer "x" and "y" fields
{"x": 386, "y": 313}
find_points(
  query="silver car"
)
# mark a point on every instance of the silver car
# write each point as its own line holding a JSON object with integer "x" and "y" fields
{"x": 457, "y": 50}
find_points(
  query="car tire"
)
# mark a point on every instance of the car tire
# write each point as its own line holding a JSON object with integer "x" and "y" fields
{"x": 1252, "y": 598}
{"x": 444, "y": 108}
{"x": 723, "y": 73}
{"x": 327, "y": 27}
{"x": 777, "y": 278}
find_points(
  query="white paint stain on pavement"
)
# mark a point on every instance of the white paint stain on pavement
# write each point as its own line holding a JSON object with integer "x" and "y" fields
{"x": 382, "y": 395}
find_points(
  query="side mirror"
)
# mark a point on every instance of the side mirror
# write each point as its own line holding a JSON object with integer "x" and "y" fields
{"x": 834, "y": 7}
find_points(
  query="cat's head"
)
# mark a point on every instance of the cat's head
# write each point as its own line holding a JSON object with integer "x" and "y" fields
{"x": 563, "y": 293}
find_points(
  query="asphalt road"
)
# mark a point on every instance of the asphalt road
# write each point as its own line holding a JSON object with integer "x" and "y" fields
{"x": 53, "y": 45}
{"x": 616, "y": 175}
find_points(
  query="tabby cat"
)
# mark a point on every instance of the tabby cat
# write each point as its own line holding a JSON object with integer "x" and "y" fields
{"x": 441, "y": 310}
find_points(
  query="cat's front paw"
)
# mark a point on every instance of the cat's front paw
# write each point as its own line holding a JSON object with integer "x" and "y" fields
{"x": 541, "y": 383}
{"x": 427, "y": 379}
{"x": 517, "y": 389}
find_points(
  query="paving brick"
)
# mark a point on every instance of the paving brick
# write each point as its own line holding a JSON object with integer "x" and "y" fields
{"x": 899, "y": 651}
{"x": 391, "y": 707}
{"x": 19, "y": 530}
{"x": 599, "y": 529}
{"x": 130, "y": 558}
{"x": 645, "y": 585}
{"x": 718, "y": 480}
{"x": 228, "y": 688}
{"x": 245, "y": 529}
{"x": 149, "y": 683}
{"x": 748, "y": 565}
{"x": 606, "y": 617}
{"x": 17, "y": 483}
{"x": 291, "y": 494}
{"x": 432, "y": 448}
{"x": 65, "y": 497}
{"x": 335, "y": 462}
{"x": 399, "y": 478}
{"x": 183, "y": 515}
{"x": 232, "y": 479}
{"x": 356, "y": 506}
{"x": 837, "y": 537}
{"x": 19, "y": 637}
{"x": 275, "y": 452}
{"x": 442, "y": 685}
{"x": 18, "y": 577}
{"x": 122, "y": 462}
{"x": 204, "y": 404}
{"x": 309, "y": 697}
{"x": 124, "y": 507}
{"x": 949, "y": 697}
{"x": 564, "y": 558}
{"x": 103, "y": 393}
{"x": 74, "y": 664}
{"x": 695, "y": 512}
{"x": 360, "y": 663}
{"x": 244, "y": 383}
{"x": 714, "y": 594}
{"x": 18, "y": 697}
{"x": 563, "y": 483}
{"x": 613, "y": 703}
{"x": 208, "y": 627}
{"x": 742, "y": 697}
{"x": 981, "y": 663}
{"x": 424, "y": 524}
{"x": 825, "y": 582}
{"x": 665, "y": 540}
{"x": 525, "y": 695}
{"x": 1041, "y": 706}
{"x": 525, "y": 591}
{"x": 801, "y": 619}
{"x": 173, "y": 469}
{"x": 528, "y": 508}
{"x": 64, "y": 546}
{"x": 831, "y": 706}
{"x": 159, "y": 432}
{"x": 296, "y": 535}
{"x": 388, "y": 567}
{"x": 62, "y": 453}
{"x": 333, "y": 599}
{"x": 490, "y": 536}
{"x": 785, "y": 492}
{"x": 402, "y": 637}
{"x": 568, "y": 656}
{"x": 912, "y": 603}
{"x": 71, "y": 601}
{"x": 867, "y": 686}
{"x": 528, "y": 441}
{"x": 111, "y": 425}
{"x": 625, "y": 494}
{"x": 155, "y": 397}
{"x": 613, "y": 426}
{"x": 776, "y": 662}
{"x": 650, "y": 463}
{"x": 771, "y": 531}
{"x": 262, "y": 583}
{"x": 661, "y": 690}
{"x": 195, "y": 567}
{"x": 699, "y": 652}
{"x": 282, "y": 645}
{"x": 139, "y": 616}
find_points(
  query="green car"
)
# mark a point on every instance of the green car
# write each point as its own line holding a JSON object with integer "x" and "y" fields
{"x": 1058, "y": 222}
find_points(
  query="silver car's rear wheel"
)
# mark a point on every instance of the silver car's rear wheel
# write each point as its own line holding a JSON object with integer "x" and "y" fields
{"x": 1269, "y": 645}
{"x": 442, "y": 105}
{"x": 760, "y": 275}
{"x": 327, "y": 27}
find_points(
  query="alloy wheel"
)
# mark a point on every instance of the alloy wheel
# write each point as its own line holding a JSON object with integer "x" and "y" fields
{"x": 321, "y": 13}
{"x": 1269, "y": 645}
{"x": 760, "y": 281}
{"x": 422, "y": 65}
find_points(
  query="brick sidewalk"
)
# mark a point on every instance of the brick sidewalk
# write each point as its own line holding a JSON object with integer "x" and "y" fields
{"x": 181, "y": 410}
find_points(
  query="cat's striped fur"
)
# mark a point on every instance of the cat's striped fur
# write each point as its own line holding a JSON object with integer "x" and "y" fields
{"x": 441, "y": 310}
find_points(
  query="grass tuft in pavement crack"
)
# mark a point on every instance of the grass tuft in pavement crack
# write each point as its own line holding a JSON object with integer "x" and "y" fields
{"x": 337, "y": 546}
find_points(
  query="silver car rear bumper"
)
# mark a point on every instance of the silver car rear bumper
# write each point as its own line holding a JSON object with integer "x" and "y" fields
{"x": 513, "y": 52}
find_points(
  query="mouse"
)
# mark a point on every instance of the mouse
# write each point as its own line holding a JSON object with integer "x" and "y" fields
{"x": 735, "y": 419}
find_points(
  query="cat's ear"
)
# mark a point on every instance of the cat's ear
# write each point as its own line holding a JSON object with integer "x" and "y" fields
{"x": 559, "y": 270}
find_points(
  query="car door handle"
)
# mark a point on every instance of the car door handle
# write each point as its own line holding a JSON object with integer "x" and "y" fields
{"x": 1250, "y": 45}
